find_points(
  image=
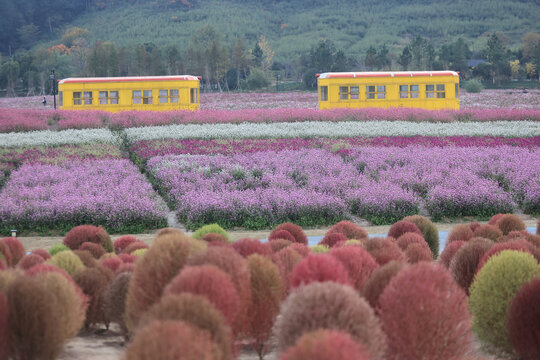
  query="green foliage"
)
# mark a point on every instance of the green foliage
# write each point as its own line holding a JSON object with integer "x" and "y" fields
{"x": 55, "y": 249}
{"x": 473, "y": 86}
{"x": 257, "y": 80}
{"x": 429, "y": 231}
{"x": 319, "y": 249}
{"x": 211, "y": 228}
{"x": 68, "y": 261}
{"x": 491, "y": 293}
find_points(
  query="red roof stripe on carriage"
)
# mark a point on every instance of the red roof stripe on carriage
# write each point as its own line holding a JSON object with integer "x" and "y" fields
{"x": 125, "y": 79}
{"x": 386, "y": 74}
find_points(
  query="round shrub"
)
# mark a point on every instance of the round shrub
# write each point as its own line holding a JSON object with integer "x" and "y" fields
{"x": 402, "y": 227}
{"x": 266, "y": 295}
{"x": 295, "y": 230}
{"x": 170, "y": 340}
{"x": 96, "y": 250}
{"x": 302, "y": 249}
{"x": 332, "y": 306}
{"x": 465, "y": 262}
{"x": 4, "y": 327}
{"x": 169, "y": 231}
{"x": 210, "y": 282}
{"x": 425, "y": 314}
{"x": 332, "y": 239}
{"x": 112, "y": 263}
{"x": 281, "y": 235}
{"x": 460, "y": 232}
{"x": 139, "y": 252}
{"x": 87, "y": 259}
{"x": 383, "y": 250}
{"x": 211, "y": 228}
{"x": 429, "y": 231}
{"x": 418, "y": 252}
{"x": 353, "y": 242}
{"x": 134, "y": 246}
{"x": 122, "y": 242}
{"x": 29, "y": 260}
{"x": 493, "y": 289}
{"x": 234, "y": 265}
{"x": 510, "y": 222}
{"x": 473, "y": 86}
{"x": 197, "y": 311}
{"x": 286, "y": 259}
{"x": 358, "y": 263}
{"x": 43, "y": 253}
{"x": 128, "y": 258}
{"x": 279, "y": 244}
{"x": 93, "y": 282}
{"x": 114, "y": 299}
{"x": 78, "y": 235}
{"x": 493, "y": 220}
{"x": 319, "y": 268}
{"x": 211, "y": 237}
{"x": 518, "y": 245}
{"x": 523, "y": 320}
{"x": 378, "y": 280}
{"x": 5, "y": 254}
{"x": 68, "y": 261}
{"x": 319, "y": 249}
{"x": 349, "y": 229}
{"x": 247, "y": 246}
{"x": 326, "y": 344}
{"x": 409, "y": 238}
{"x": 487, "y": 231}
{"x": 55, "y": 249}
{"x": 449, "y": 251}
{"x": 474, "y": 225}
{"x": 154, "y": 270}
{"x": 16, "y": 249}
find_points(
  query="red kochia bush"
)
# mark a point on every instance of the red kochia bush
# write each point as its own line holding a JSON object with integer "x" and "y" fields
{"x": 5, "y": 254}
{"x": 4, "y": 327}
{"x": 510, "y": 222}
{"x": 135, "y": 246}
{"x": 519, "y": 245}
{"x": 301, "y": 249}
{"x": 295, "y": 230}
{"x": 409, "y": 238}
{"x": 212, "y": 237}
{"x": 425, "y": 315}
{"x": 29, "y": 260}
{"x": 210, "y": 282}
{"x": 383, "y": 250}
{"x": 417, "y": 252}
{"x": 247, "y": 246}
{"x": 523, "y": 321}
{"x": 474, "y": 225}
{"x": 122, "y": 242}
{"x": 286, "y": 259}
{"x": 115, "y": 299}
{"x": 460, "y": 232}
{"x": 349, "y": 229}
{"x": 170, "y": 340}
{"x": 326, "y": 345}
{"x": 402, "y": 227}
{"x": 43, "y": 253}
{"x": 378, "y": 280}
{"x": 278, "y": 244}
{"x": 494, "y": 219}
{"x": 112, "y": 263}
{"x": 16, "y": 249}
{"x": 321, "y": 268}
{"x": 93, "y": 282}
{"x": 88, "y": 233}
{"x": 87, "y": 259}
{"x": 465, "y": 261}
{"x": 329, "y": 306}
{"x": 358, "y": 263}
{"x": 281, "y": 235}
{"x": 96, "y": 250}
{"x": 128, "y": 258}
{"x": 487, "y": 231}
{"x": 449, "y": 251}
{"x": 332, "y": 239}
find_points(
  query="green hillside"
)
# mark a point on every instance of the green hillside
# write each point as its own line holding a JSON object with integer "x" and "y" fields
{"x": 292, "y": 27}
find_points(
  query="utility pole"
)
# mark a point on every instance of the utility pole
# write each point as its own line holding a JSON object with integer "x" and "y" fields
{"x": 53, "y": 80}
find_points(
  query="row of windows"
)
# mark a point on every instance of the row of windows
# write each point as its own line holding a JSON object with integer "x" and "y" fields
{"x": 379, "y": 92}
{"x": 138, "y": 97}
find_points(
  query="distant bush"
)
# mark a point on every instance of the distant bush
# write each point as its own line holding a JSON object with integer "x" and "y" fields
{"x": 96, "y": 250}
{"x": 44, "y": 254}
{"x": 523, "y": 320}
{"x": 487, "y": 231}
{"x": 349, "y": 229}
{"x": 326, "y": 344}
{"x": 281, "y": 234}
{"x": 139, "y": 252}
{"x": 493, "y": 220}
{"x": 378, "y": 280}
{"x": 332, "y": 306}
{"x": 319, "y": 249}
{"x": 332, "y": 239}
{"x": 154, "y": 270}
{"x": 256, "y": 80}
{"x": 134, "y": 246}
{"x": 16, "y": 249}
{"x": 425, "y": 315}
{"x": 319, "y": 268}
{"x": 197, "y": 311}
{"x": 402, "y": 227}
{"x": 301, "y": 249}
{"x": 295, "y": 230}
{"x": 510, "y": 222}
{"x": 418, "y": 252}
{"x": 465, "y": 262}
{"x": 383, "y": 250}
{"x": 122, "y": 242}
{"x": 170, "y": 340}
{"x": 112, "y": 263}
{"x": 29, "y": 260}
{"x": 518, "y": 245}
{"x": 459, "y": 232}
{"x": 55, "y": 249}
{"x": 68, "y": 261}
{"x": 93, "y": 282}
{"x": 279, "y": 244}
{"x": 128, "y": 258}
{"x": 429, "y": 231}
{"x": 114, "y": 299}
{"x": 410, "y": 238}
{"x": 286, "y": 259}
{"x": 449, "y": 251}
{"x": 247, "y": 246}
{"x": 266, "y": 295}
{"x": 473, "y": 86}
{"x": 211, "y": 237}
{"x": 210, "y": 229}
{"x": 88, "y": 233}
{"x": 358, "y": 263}
{"x": 491, "y": 293}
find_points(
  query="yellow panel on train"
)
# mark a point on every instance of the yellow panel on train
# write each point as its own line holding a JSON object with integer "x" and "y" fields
{"x": 432, "y": 90}
{"x": 178, "y": 92}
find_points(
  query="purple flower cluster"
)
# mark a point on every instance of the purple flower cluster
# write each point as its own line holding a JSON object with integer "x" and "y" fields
{"x": 112, "y": 193}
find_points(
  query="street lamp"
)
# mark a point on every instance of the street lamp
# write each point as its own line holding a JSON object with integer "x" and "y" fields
{"x": 52, "y": 77}
{"x": 13, "y": 233}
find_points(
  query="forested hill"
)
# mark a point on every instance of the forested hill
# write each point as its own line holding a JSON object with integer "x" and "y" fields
{"x": 290, "y": 26}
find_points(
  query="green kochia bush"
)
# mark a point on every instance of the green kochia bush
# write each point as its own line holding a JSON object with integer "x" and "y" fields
{"x": 428, "y": 229}
{"x": 55, "y": 249}
{"x": 492, "y": 292}
{"x": 68, "y": 261}
{"x": 211, "y": 228}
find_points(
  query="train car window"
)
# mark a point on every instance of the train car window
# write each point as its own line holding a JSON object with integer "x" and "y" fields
{"x": 147, "y": 97}
{"x": 137, "y": 97}
{"x": 163, "y": 96}
{"x": 61, "y": 98}
{"x": 370, "y": 92}
{"x": 440, "y": 91}
{"x": 355, "y": 92}
{"x": 344, "y": 93}
{"x": 113, "y": 97}
{"x": 87, "y": 98}
{"x": 404, "y": 91}
{"x": 381, "y": 92}
{"x": 415, "y": 89}
{"x": 324, "y": 93}
{"x": 430, "y": 91}
{"x": 174, "y": 95}
{"x": 457, "y": 90}
{"x": 193, "y": 95}
{"x": 103, "y": 97}
{"x": 77, "y": 98}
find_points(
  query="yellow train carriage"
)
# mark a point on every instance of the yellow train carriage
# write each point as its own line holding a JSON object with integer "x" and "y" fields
{"x": 414, "y": 89}
{"x": 130, "y": 93}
